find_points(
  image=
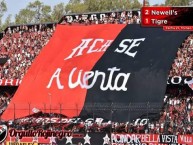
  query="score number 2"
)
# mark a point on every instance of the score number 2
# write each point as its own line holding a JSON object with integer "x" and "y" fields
{"x": 146, "y": 12}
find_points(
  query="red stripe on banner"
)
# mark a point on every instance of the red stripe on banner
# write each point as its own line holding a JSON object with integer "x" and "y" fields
{"x": 50, "y": 82}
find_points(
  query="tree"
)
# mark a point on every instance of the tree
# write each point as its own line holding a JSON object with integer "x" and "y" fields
{"x": 170, "y": 2}
{"x": 35, "y": 12}
{"x": 7, "y": 22}
{"x": 136, "y": 4}
{"x": 42, "y": 12}
{"x": 160, "y": 5}
{"x": 177, "y": 2}
{"x": 45, "y": 15}
{"x": 184, "y": 3}
{"x": 3, "y": 9}
{"x": 122, "y": 5}
{"x": 25, "y": 16}
{"x": 94, "y": 5}
{"x": 58, "y": 12}
{"x": 146, "y": 2}
{"x": 116, "y": 5}
{"x": 80, "y": 6}
{"x": 75, "y": 6}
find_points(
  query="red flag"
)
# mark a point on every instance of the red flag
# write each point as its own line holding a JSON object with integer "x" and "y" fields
{"x": 47, "y": 85}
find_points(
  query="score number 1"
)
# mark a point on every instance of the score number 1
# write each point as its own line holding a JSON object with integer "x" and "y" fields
{"x": 146, "y": 20}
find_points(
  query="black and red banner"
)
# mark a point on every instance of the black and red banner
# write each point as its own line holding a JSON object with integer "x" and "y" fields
{"x": 103, "y": 64}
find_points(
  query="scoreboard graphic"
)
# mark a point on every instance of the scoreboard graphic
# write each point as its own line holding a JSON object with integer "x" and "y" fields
{"x": 170, "y": 18}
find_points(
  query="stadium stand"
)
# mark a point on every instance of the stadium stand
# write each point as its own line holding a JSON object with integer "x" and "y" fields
{"x": 21, "y": 44}
{"x": 125, "y": 17}
{"x": 6, "y": 93}
{"x": 183, "y": 63}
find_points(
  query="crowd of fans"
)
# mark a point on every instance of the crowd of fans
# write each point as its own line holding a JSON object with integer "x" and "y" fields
{"x": 178, "y": 115}
{"x": 4, "y": 101}
{"x": 183, "y": 63}
{"x": 175, "y": 118}
{"x": 21, "y": 44}
{"x": 6, "y": 94}
{"x": 107, "y": 18}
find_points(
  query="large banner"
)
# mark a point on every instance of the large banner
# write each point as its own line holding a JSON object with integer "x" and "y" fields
{"x": 86, "y": 64}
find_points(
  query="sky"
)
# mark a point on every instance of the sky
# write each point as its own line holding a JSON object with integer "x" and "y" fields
{"x": 14, "y": 6}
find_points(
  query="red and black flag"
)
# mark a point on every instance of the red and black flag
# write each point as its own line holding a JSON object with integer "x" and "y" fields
{"x": 98, "y": 64}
